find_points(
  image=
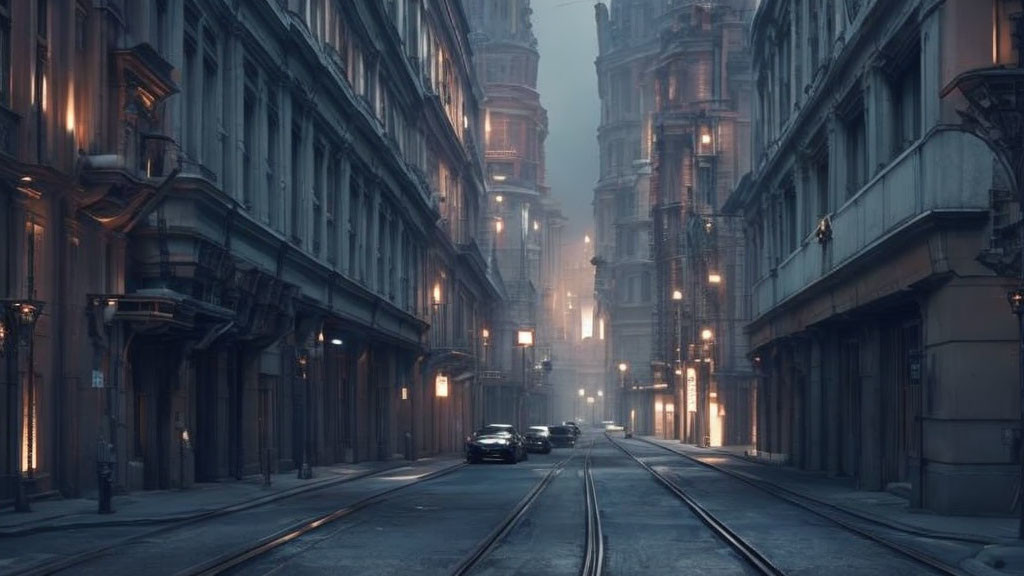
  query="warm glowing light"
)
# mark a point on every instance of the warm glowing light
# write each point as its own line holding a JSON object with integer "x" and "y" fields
{"x": 600, "y": 328}
{"x": 499, "y": 225}
{"x": 623, "y": 367}
{"x": 498, "y": 177}
{"x": 26, "y": 178}
{"x": 706, "y": 334}
{"x": 590, "y": 399}
{"x": 499, "y": 198}
{"x": 525, "y": 338}
{"x": 677, "y": 295}
{"x": 536, "y": 225}
{"x": 441, "y": 386}
{"x": 705, "y": 138}
{"x": 465, "y": 121}
{"x": 437, "y": 293}
{"x": 320, "y": 337}
{"x": 405, "y": 393}
{"x": 600, "y": 392}
{"x": 587, "y": 321}
{"x": 485, "y": 333}
{"x": 586, "y": 238}
{"x": 582, "y": 392}
{"x": 715, "y": 278}
{"x": 69, "y": 113}
{"x": 336, "y": 341}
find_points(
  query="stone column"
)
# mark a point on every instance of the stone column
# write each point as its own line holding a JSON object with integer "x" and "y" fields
{"x": 870, "y": 457}
{"x": 344, "y": 209}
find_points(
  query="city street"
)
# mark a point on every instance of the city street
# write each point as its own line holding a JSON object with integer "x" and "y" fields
{"x": 445, "y": 517}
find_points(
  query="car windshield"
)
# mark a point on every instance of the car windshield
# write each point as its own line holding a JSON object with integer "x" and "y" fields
{"x": 539, "y": 430}
{"x": 495, "y": 431}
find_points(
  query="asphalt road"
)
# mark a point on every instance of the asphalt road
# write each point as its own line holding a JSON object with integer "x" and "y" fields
{"x": 431, "y": 526}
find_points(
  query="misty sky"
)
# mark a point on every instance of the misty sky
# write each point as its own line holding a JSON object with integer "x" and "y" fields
{"x": 567, "y": 39}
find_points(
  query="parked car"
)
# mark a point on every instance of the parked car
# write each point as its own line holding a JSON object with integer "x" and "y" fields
{"x": 575, "y": 427}
{"x": 538, "y": 439}
{"x": 561, "y": 436}
{"x": 500, "y": 441}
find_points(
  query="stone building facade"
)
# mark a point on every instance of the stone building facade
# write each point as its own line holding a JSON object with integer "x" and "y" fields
{"x": 702, "y": 380}
{"x": 628, "y": 45}
{"x": 884, "y": 344}
{"x": 525, "y": 224}
{"x": 251, "y": 232}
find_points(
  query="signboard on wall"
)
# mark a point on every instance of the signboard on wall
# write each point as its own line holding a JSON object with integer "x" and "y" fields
{"x": 691, "y": 390}
{"x": 441, "y": 386}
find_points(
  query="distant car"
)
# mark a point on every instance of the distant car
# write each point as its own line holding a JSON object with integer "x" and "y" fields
{"x": 612, "y": 427}
{"x": 575, "y": 428}
{"x": 538, "y": 439}
{"x": 500, "y": 441}
{"x": 561, "y": 436}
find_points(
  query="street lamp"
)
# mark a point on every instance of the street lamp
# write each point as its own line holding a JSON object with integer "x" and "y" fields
{"x": 706, "y": 334}
{"x": 524, "y": 339}
{"x": 18, "y": 319}
{"x": 714, "y": 278}
{"x": 677, "y": 295}
{"x": 590, "y": 401}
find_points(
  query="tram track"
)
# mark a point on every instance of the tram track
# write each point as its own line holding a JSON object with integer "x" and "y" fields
{"x": 827, "y": 511}
{"x": 744, "y": 549}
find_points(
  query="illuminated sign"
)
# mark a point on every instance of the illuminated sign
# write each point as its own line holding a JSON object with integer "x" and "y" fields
{"x": 441, "y": 386}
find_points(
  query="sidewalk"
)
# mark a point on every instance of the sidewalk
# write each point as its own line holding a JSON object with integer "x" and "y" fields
{"x": 882, "y": 507}
{"x": 202, "y": 499}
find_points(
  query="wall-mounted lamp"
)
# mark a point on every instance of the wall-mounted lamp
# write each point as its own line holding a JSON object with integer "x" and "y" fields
{"x": 524, "y": 338}
{"x": 706, "y": 334}
{"x": 714, "y": 278}
{"x": 441, "y": 386}
{"x": 677, "y": 295}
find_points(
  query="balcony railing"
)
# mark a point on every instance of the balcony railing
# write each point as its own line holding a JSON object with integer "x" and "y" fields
{"x": 927, "y": 178}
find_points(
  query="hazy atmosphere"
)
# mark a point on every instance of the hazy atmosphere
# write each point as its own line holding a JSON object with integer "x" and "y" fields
{"x": 567, "y": 39}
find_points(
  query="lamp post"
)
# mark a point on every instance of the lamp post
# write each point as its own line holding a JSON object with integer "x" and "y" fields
{"x": 623, "y": 408}
{"x": 1016, "y": 299}
{"x": 600, "y": 398}
{"x": 579, "y": 402}
{"x": 703, "y": 385}
{"x": 590, "y": 402}
{"x": 524, "y": 339}
{"x": 18, "y": 319}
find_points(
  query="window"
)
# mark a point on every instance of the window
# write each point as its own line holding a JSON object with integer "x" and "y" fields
{"x": 273, "y": 164}
{"x": 790, "y": 223}
{"x": 785, "y": 71}
{"x": 645, "y": 287}
{"x": 248, "y": 144}
{"x": 856, "y": 149}
{"x": 318, "y": 197}
{"x": 707, "y": 184}
{"x": 353, "y": 226}
{"x": 332, "y": 192}
{"x": 210, "y": 108}
{"x": 296, "y": 189}
{"x": 5, "y": 53}
{"x": 906, "y": 101}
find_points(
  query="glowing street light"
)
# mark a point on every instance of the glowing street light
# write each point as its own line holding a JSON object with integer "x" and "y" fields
{"x": 586, "y": 238}
{"x": 499, "y": 225}
{"x": 706, "y": 334}
{"x": 623, "y": 367}
{"x": 499, "y": 198}
{"x": 677, "y": 295}
{"x": 714, "y": 278}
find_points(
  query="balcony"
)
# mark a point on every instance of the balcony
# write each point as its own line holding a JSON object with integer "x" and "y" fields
{"x": 926, "y": 180}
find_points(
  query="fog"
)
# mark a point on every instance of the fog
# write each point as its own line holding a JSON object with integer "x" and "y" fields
{"x": 567, "y": 40}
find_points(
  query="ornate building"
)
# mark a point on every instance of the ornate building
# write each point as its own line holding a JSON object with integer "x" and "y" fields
{"x": 628, "y": 45}
{"x": 876, "y": 225}
{"x": 236, "y": 237}
{"x": 525, "y": 224}
{"x": 701, "y": 132}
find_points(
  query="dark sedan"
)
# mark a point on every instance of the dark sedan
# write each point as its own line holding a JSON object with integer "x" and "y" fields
{"x": 562, "y": 436}
{"x": 537, "y": 439}
{"x": 575, "y": 427}
{"x": 497, "y": 441}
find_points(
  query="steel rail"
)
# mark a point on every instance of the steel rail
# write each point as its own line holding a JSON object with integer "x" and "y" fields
{"x": 815, "y": 506}
{"x": 237, "y": 557}
{"x": 593, "y": 559}
{"x": 492, "y": 540}
{"x": 741, "y": 546}
{"x": 75, "y": 560}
